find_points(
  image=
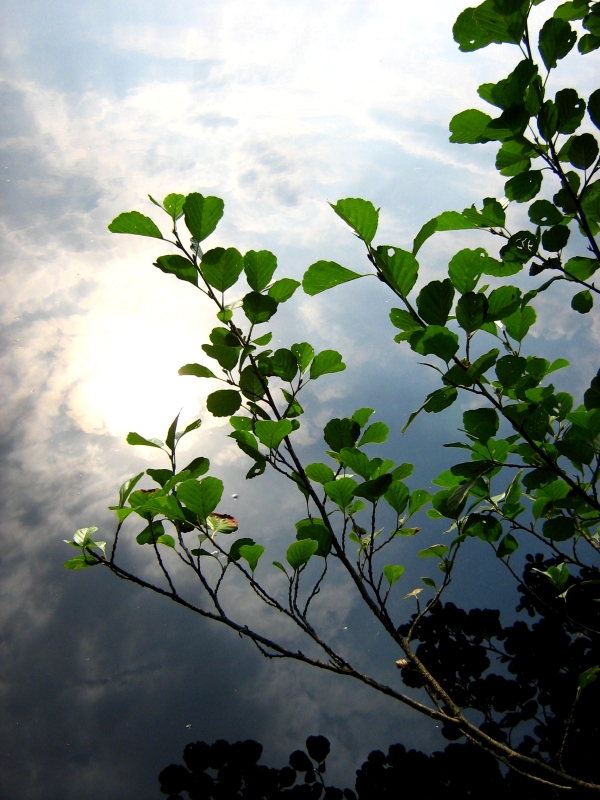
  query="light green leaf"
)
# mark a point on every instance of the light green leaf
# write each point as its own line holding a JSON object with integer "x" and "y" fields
{"x": 466, "y": 267}
{"x": 399, "y": 267}
{"x": 201, "y": 497}
{"x": 435, "y": 551}
{"x": 136, "y": 223}
{"x": 377, "y": 433}
{"x": 135, "y": 439}
{"x": 304, "y": 354}
{"x": 221, "y": 268}
{"x": 178, "y": 266}
{"x": 326, "y": 362}
{"x": 173, "y": 205}
{"x": 283, "y": 289}
{"x": 397, "y": 496}
{"x": 202, "y": 215}
{"x": 320, "y": 473}
{"x": 393, "y": 573}
{"x": 259, "y": 268}
{"x": 251, "y": 553}
{"x": 341, "y": 492}
{"x": 271, "y": 433}
{"x": 299, "y": 553}
{"x": 197, "y": 370}
{"x": 360, "y": 215}
{"x": 469, "y": 127}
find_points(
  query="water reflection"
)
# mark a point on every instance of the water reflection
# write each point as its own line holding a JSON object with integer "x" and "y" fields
{"x": 519, "y": 681}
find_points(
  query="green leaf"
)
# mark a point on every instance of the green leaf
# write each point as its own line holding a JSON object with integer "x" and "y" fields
{"x": 513, "y": 158}
{"x": 466, "y": 267}
{"x": 374, "y": 489}
{"x": 258, "y": 307}
{"x": 593, "y": 107}
{"x": 588, "y": 43}
{"x": 571, "y": 109}
{"x": 399, "y": 267}
{"x": 136, "y": 439}
{"x": 251, "y": 553}
{"x": 357, "y": 461}
{"x": 404, "y": 320}
{"x": 510, "y": 369}
{"x": 418, "y": 499}
{"x": 556, "y": 40}
{"x": 575, "y": 450}
{"x": 362, "y": 416}
{"x": 469, "y": 127}
{"x": 507, "y": 546}
{"x": 234, "y": 550}
{"x": 435, "y": 340}
{"x": 178, "y": 266}
{"x": 127, "y": 488}
{"x": 326, "y": 362}
{"x": 436, "y": 401}
{"x": 435, "y": 551}
{"x": 227, "y": 357}
{"x": 259, "y": 268}
{"x": 377, "y": 433}
{"x": 402, "y": 471}
{"x": 340, "y": 433}
{"x": 271, "y": 433}
{"x": 582, "y": 302}
{"x": 284, "y": 364}
{"x": 283, "y": 289}
{"x": 316, "y": 532}
{"x": 252, "y": 384}
{"x": 572, "y": 10}
{"x": 484, "y": 526}
{"x": 559, "y": 529}
{"x": 304, "y": 354}
{"x": 223, "y": 403}
{"x": 525, "y": 186}
{"x": 360, "y": 215}
{"x": 555, "y": 239}
{"x": 200, "y": 497}
{"x": 221, "y": 268}
{"x": 136, "y": 223}
{"x": 583, "y": 151}
{"x": 197, "y": 467}
{"x": 482, "y": 364}
{"x": 393, "y": 573}
{"x": 503, "y": 302}
{"x": 299, "y": 553}
{"x": 323, "y": 275}
{"x": 482, "y": 423}
{"x": 202, "y": 215}
{"x": 341, "y": 492}
{"x": 85, "y": 560}
{"x": 397, "y": 496}
{"x": 519, "y": 323}
{"x": 543, "y": 212}
{"x": 471, "y": 311}
{"x": 580, "y": 268}
{"x": 588, "y": 676}
{"x": 320, "y": 473}
{"x": 435, "y": 302}
{"x": 197, "y": 370}
{"x": 173, "y": 205}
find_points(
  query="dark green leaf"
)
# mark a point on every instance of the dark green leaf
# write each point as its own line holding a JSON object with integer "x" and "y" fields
{"x": 471, "y": 311}
{"x": 271, "y": 433}
{"x": 435, "y": 340}
{"x": 556, "y": 40}
{"x": 201, "y": 497}
{"x": 591, "y": 398}
{"x": 588, "y": 676}
{"x": 404, "y": 320}
{"x": 283, "y": 289}
{"x": 503, "y": 302}
{"x": 510, "y": 369}
{"x": 525, "y": 186}
{"x": 593, "y": 107}
{"x": 399, "y": 267}
{"x": 178, "y": 266}
{"x": 326, "y": 362}
{"x": 259, "y": 268}
{"x": 513, "y": 158}
{"x": 221, "y": 268}
{"x": 202, "y": 215}
{"x": 234, "y": 550}
{"x": 435, "y": 551}
{"x": 559, "y": 529}
{"x": 588, "y": 43}
{"x": 340, "y": 433}
{"x": 300, "y": 553}
{"x": 519, "y": 323}
{"x": 469, "y": 127}
{"x": 284, "y": 364}
{"x": 197, "y": 370}
{"x": 555, "y": 238}
{"x": 223, "y": 403}
{"x": 199, "y": 466}
{"x": 575, "y": 450}
{"x": 543, "y": 212}
{"x": 466, "y": 267}
{"x": 484, "y": 526}
{"x": 435, "y": 302}
{"x": 324, "y": 275}
{"x": 582, "y": 302}
{"x": 507, "y": 546}
{"x": 227, "y": 357}
{"x": 317, "y": 532}
{"x": 356, "y": 460}
{"x": 572, "y": 10}
{"x": 258, "y": 307}
{"x": 510, "y": 124}
{"x": 374, "y": 489}
{"x": 377, "y": 433}
{"x": 482, "y": 364}
{"x": 136, "y": 223}
{"x": 548, "y": 120}
{"x": 583, "y": 151}
{"x": 360, "y": 215}
{"x": 252, "y": 384}
{"x": 482, "y": 423}
{"x": 571, "y": 109}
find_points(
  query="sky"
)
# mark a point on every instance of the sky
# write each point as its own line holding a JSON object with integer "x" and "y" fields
{"x": 278, "y": 108}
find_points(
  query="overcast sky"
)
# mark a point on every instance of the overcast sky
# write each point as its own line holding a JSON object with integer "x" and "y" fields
{"x": 277, "y": 107}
